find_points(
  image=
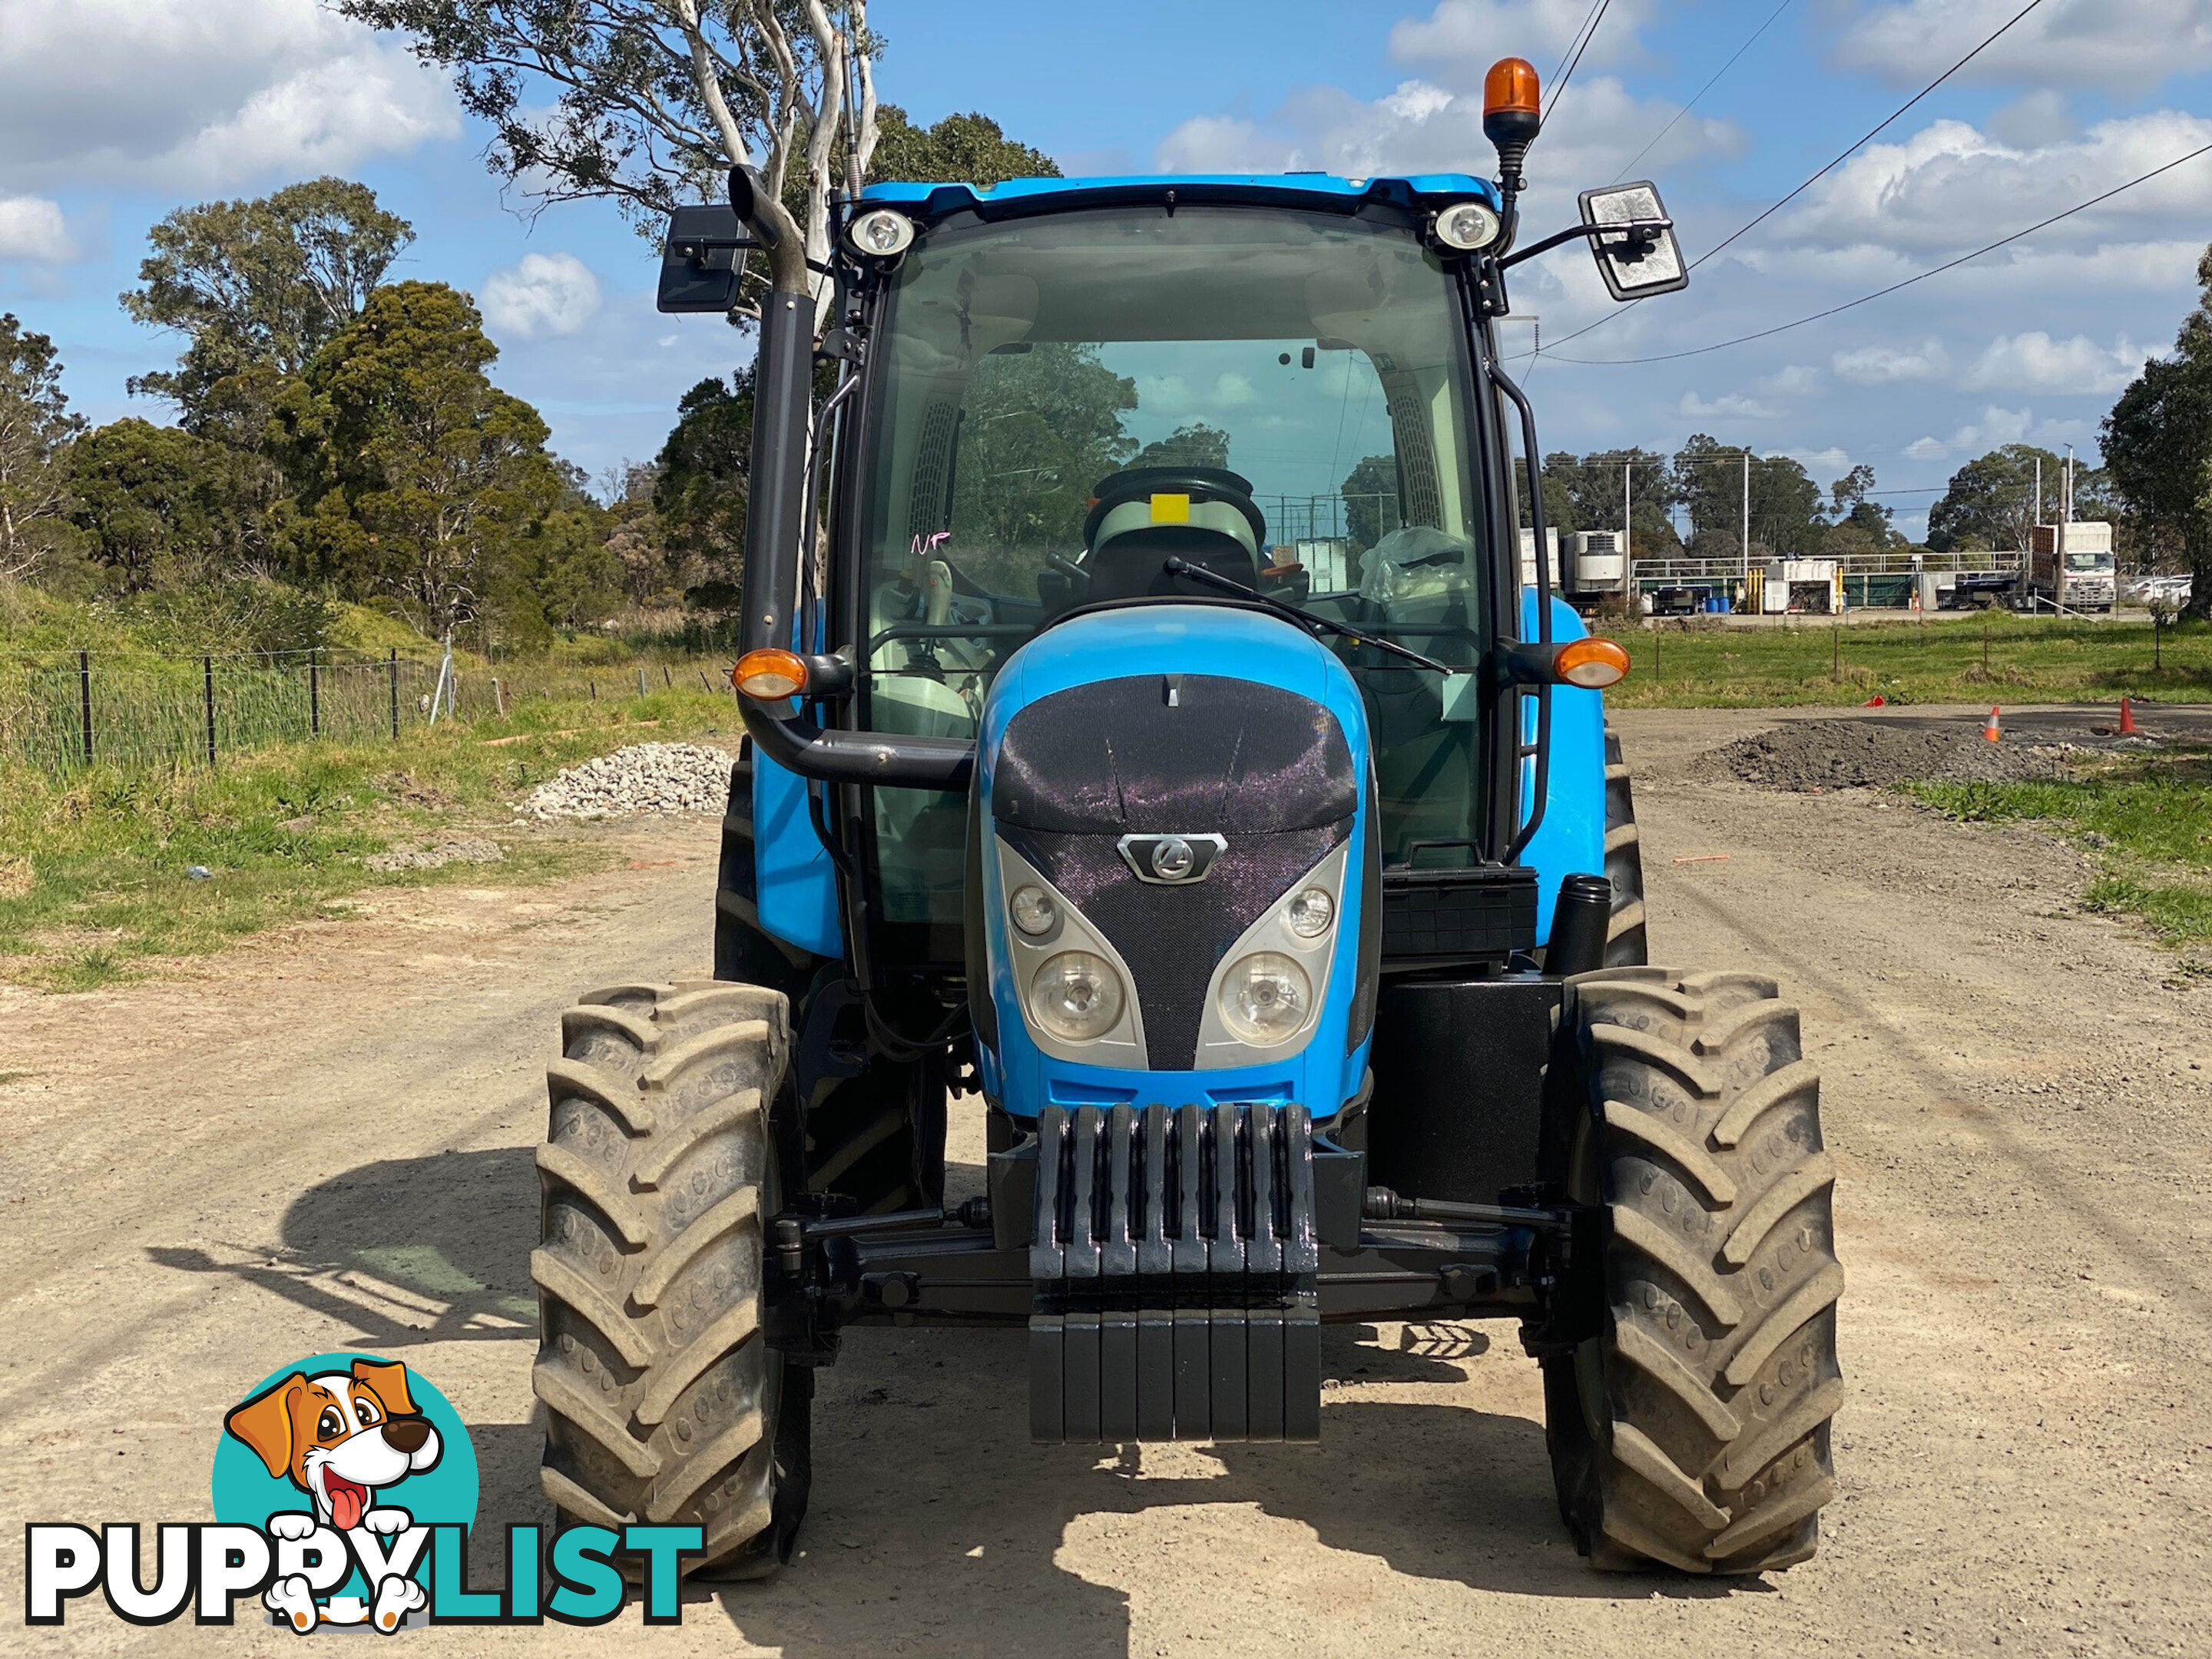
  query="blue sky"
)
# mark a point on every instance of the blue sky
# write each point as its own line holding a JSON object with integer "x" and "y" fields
{"x": 112, "y": 112}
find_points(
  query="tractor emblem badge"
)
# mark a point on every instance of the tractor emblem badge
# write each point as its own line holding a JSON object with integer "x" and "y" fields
{"x": 1171, "y": 861}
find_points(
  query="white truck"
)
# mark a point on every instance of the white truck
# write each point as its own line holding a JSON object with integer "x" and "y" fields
{"x": 2070, "y": 566}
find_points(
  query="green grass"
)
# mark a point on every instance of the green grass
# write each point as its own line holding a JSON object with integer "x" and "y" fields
{"x": 2148, "y": 819}
{"x": 93, "y": 882}
{"x": 2030, "y": 660}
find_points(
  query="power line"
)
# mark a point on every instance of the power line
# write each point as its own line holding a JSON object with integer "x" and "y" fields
{"x": 1864, "y": 298}
{"x": 1703, "y": 90}
{"x": 1589, "y": 33}
{"x": 1842, "y": 156}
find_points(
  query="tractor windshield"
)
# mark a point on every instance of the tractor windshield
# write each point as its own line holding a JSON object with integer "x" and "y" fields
{"x": 1060, "y": 401}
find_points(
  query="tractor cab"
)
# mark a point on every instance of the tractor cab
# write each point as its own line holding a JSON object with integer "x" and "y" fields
{"x": 1078, "y": 395}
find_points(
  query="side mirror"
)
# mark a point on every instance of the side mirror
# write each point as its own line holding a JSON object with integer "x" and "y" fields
{"x": 701, "y": 258}
{"x": 1641, "y": 257}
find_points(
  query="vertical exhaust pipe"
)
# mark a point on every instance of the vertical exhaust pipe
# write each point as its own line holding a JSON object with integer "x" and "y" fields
{"x": 775, "y": 530}
{"x": 1578, "y": 925}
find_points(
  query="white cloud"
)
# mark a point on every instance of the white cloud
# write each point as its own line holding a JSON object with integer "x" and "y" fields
{"x": 2122, "y": 44}
{"x": 185, "y": 93}
{"x": 1729, "y": 405}
{"x": 1462, "y": 38}
{"x": 1826, "y": 463}
{"x": 1951, "y": 185}
{"x": 547, "y": 293}
{"x": 2034, "y": 362}
{"x": 1421, "y": 126}
{"x": 32, "y": 228}
{"x": 1794, "y": 380}
{"x": 1997, "y": 427}
{"x": 1882, "y": 365}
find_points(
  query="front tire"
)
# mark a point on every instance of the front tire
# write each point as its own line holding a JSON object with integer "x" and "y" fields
{"x": 663, "y": 1403}
{"x": 1692, "y": 1431}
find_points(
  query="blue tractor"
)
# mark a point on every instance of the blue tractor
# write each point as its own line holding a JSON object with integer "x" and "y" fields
{"x": 1161, "y": 726}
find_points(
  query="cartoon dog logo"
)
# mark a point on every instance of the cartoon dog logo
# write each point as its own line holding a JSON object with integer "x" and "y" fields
{"x": 342, "y": 1437}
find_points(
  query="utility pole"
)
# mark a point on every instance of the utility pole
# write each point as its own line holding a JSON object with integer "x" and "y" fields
{"x": 1627, "y": 513}
{"x": 2022, "y": 588}
{"x": 1747, "y": 522}
{"x": 2065, "y": 517}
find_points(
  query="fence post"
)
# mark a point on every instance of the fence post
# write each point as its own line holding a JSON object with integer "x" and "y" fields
{"x": 314, "y": 694}
{"x": 207, "y": 682}
{"x": 84, "y": 701}
{"x": 392, "y": 672}
{"x": 641, "y": 682}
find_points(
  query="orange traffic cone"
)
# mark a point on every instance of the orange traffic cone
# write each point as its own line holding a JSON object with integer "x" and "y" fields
{"x": 1991, "y": 731}
{"x": 2127, "y": 719}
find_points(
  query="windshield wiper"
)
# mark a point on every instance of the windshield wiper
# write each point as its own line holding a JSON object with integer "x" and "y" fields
{"x": 1175, "y": 565}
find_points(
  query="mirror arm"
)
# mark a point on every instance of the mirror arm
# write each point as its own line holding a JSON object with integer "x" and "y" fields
{"x": 1633, "y": 229}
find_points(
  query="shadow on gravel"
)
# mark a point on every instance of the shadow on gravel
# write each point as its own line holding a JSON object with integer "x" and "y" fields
{"x": 938, "y": 1527}
{"x": 425, "y": 1249}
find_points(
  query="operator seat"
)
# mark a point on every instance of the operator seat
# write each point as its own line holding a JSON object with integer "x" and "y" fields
{"x": 1142, "y": 515}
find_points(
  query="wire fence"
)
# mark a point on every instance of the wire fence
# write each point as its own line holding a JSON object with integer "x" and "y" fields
{"x": 63, "y": 712}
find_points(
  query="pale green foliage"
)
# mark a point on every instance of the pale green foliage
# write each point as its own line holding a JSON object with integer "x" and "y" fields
{"x": 35, "y": 429}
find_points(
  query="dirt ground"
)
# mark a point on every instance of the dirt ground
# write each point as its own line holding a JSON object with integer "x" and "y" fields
{"x": 325, "y": 1141}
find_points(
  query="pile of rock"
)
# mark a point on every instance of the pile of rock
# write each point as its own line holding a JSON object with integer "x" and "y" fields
{"x": 645, "y": 777}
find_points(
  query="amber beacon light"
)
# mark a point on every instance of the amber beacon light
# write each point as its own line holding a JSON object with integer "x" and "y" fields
{"x": 1511, "y": 99}
{"x": 1512, "y": 116}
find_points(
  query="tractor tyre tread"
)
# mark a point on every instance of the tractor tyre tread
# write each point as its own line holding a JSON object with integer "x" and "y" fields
{"x": 1627, "y": 939}
{"x": 661, "y": 1400}
{"x": 1694, "y": 1430}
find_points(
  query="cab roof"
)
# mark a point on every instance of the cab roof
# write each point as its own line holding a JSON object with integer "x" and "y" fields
{"x": 1019, "y": 196}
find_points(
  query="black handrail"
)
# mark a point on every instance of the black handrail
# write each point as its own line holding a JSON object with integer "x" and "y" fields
{"x": 1542, "y": 780}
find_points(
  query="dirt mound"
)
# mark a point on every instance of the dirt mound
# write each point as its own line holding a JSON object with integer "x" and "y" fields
{"x": 1810, "y": 754}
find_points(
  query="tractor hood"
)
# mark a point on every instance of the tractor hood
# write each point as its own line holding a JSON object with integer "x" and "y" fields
{"x": 1157, "y": 785}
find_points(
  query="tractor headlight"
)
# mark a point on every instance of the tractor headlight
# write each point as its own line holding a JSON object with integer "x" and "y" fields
{"x": 1309, "y": 913}
{"x": 1467, "y": 226}
{"x": 1265, "y": 998}
{"x": 1076, "y": 996}
{"x": 880, "y": 233}
{"x": 1033, "y": 911}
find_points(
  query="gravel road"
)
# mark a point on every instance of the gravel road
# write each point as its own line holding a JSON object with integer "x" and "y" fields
{"x": 323, "y": 1141}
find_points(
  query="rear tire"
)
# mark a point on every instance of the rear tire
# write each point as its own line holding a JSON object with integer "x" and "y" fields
{"x": 862, "y": 1136}
{"x": 663, "y": 1403}
{"x": 1694, "y": 1430}
{"x": 1627, "y": 944}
